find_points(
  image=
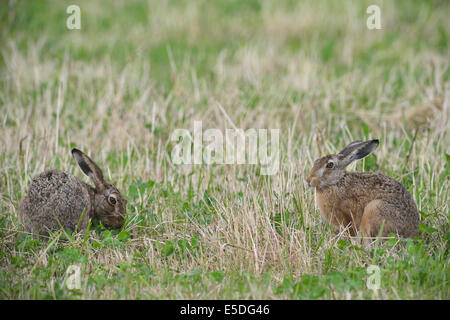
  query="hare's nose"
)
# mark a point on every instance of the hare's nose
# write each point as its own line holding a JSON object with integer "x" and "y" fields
{"x": 308, "y": 180}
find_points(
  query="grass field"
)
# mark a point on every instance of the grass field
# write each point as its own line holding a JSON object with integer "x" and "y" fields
{"x": 137, "y": 70}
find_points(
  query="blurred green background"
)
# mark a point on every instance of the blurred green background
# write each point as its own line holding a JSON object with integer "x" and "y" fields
{"x": 146, "y": 30}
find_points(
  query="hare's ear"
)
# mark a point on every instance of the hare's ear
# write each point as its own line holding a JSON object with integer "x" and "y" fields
{"x": 90, "y": 169}
{"x": 356, "y": 150}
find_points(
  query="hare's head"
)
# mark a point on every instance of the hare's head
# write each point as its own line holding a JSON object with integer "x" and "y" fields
{"x": 330, "y": 169}
{"x": 109, "y": 205}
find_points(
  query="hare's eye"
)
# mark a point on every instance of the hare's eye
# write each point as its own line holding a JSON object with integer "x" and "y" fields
{"x": 330, "y": 165}
{"x": 112, "y": 200}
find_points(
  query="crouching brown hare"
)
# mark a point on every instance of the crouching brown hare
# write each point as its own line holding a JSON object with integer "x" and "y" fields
{"x": 57, "y": 199}
{"x": 362, "y": 201}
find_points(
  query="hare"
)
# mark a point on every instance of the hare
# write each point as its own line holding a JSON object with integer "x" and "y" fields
{"x": 57, "y": 199}
{"x": 362, "y": 201}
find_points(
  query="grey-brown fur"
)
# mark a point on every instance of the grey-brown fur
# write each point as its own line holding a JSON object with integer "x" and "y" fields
{"x": 56, "y": 199}
{"x": 364, "y": 201}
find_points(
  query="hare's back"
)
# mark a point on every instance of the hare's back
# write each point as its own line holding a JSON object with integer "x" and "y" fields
{"x": 376, "y": 186}
{"x": 55, "y": 195}
{"x": 55, "y": 185}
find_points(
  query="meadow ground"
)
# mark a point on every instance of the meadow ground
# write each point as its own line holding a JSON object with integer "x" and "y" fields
{"x": 136, "y": 71}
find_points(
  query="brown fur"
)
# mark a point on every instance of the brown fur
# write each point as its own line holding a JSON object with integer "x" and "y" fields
{"x": 363, "y": 201}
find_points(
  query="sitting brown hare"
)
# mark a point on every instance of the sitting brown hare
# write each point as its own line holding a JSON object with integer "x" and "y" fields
{"x": 362, "y": 201}
{"x": 57, "y": 199}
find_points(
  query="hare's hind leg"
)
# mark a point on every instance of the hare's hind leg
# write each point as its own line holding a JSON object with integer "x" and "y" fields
{"x": 378, "y": 214}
